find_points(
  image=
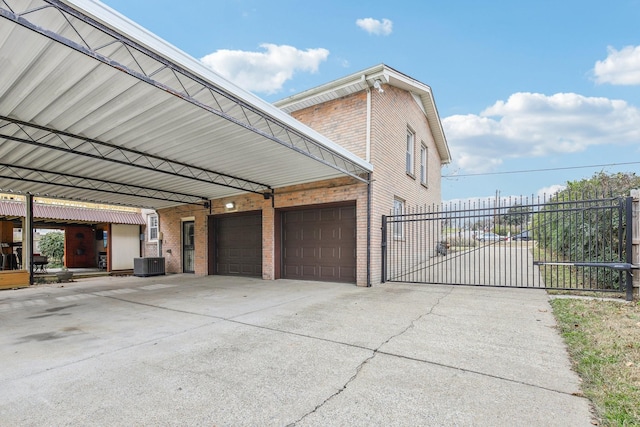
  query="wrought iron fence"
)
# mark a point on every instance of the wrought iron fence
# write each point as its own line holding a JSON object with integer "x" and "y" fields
{"x": 561, "y": 242}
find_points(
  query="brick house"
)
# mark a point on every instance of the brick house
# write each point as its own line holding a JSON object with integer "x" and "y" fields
{"x": 324, "y": 230}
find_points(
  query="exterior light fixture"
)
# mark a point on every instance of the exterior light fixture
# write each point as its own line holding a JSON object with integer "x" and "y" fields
{"x": 230, "y": 205}
{"x": 378, "y": 85}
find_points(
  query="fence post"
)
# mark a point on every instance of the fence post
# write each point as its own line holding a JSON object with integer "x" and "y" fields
{"x": 384, "y": 248}
{"x": 635, "y": 225}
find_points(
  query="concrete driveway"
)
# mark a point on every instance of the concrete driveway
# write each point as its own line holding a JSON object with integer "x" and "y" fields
{"x": 185, "y": 350}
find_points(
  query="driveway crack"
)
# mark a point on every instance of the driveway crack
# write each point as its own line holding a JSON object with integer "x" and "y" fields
{"x": 375, "y": 352}
{"x": 338, "y": 392}
{"x": 413, "y": 322}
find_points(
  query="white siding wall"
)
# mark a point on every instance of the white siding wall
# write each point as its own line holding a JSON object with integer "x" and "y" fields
{"x": 125, "y": 241}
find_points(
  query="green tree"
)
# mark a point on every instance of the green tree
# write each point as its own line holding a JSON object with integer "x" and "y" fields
{"x": 52, "y": 246}
{"x": 575, "y": 225}
{"x": 516, "y": 215}
{"x": 613, "y": 185}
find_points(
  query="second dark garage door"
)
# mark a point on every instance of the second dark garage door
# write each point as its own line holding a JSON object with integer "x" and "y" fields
{"x": 319, "y": 244}
{"x": 238, "y": 245}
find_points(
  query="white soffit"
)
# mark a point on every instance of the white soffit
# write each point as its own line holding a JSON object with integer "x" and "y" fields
{"x": 94, "y": 107}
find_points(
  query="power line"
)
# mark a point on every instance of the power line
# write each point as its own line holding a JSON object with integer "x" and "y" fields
{"x": 539, "y": 170}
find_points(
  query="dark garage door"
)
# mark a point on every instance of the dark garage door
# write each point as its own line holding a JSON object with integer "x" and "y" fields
{"x": 238, "y": 245}
{"x": 319, "y": 244}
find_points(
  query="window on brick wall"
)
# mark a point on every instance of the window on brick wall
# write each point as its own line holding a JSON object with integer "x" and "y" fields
{"x": 410, "y": 150}
{"x": 398, "y": 209}
{"x": 152, "y": 225}
{"x": 423, "y": 164}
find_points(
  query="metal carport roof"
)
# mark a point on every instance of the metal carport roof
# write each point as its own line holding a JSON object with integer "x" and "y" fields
{"x": 94, "y": 107}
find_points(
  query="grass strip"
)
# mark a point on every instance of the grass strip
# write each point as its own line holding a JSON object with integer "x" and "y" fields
{"x": 603, "y": 339}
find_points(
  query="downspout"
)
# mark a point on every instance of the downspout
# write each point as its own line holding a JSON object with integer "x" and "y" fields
{"x": 369, "y": 184}
{"x": 160, "y": 238}
{"x": 368, "y": 131}
{"x": 368, "y": 159}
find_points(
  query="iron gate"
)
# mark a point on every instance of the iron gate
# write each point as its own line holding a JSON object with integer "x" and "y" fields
{"x": 561, "y": 243}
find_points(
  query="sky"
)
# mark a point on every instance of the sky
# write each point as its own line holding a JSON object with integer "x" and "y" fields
{"x": 530, "y": 94}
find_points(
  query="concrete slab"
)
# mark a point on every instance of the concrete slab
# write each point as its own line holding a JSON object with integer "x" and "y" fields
{"x": 507, "y": 333}
{"x": 222, "y": 351}
{"x": 395, "y": 391}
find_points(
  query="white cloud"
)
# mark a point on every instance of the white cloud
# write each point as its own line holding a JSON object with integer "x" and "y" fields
{"x": 620, "y": 67}
{"x": 374, "y": 26}
{"x": 535, "y": 125}
{"x": 549, "y": 191}
{"x": 264, "y": 72}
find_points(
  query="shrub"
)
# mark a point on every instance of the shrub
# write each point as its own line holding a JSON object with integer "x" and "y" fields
{"x": 52, "y": 246}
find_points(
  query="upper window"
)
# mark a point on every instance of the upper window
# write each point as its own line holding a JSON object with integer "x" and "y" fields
{"x": 410, "y": 150}
{"x": 153, "y": 227}
{"x": 423, "y": 164}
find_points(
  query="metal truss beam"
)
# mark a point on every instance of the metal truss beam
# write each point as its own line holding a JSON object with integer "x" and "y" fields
{"x": 28, "y": 133}
{"x": 150, "y": 67}
{"x": 21, "y": 173}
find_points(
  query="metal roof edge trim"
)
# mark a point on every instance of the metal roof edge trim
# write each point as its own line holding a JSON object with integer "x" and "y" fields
{"x": 120, "y": 23}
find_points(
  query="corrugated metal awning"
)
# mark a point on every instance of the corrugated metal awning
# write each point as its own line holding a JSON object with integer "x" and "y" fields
{"x": 10, "y": 210}
{"x": 93, "y": 107}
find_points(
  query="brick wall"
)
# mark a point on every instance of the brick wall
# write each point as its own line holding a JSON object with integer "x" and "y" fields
{"x": 344, "y": 121}
{"x": 317, "y": 193}
{"x": 171, "y": 227}
{"x": 392, "y": 113}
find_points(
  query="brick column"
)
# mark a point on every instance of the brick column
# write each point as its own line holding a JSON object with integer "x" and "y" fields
{"x": 636, "y": 240}
{"x": 268, "y": 243}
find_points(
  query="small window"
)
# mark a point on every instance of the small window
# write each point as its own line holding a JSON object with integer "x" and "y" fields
{"x": 410, "y": 151}
{"x": 153, "y": 227}
{"x": 423, "y": 164}
{"x": 398, "y": 210}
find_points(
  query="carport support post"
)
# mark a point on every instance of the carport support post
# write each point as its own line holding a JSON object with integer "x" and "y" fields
{"x": 27, "y": 244}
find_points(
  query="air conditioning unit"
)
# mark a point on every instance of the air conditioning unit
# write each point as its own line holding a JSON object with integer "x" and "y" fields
{"x": 144, "y": 267}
